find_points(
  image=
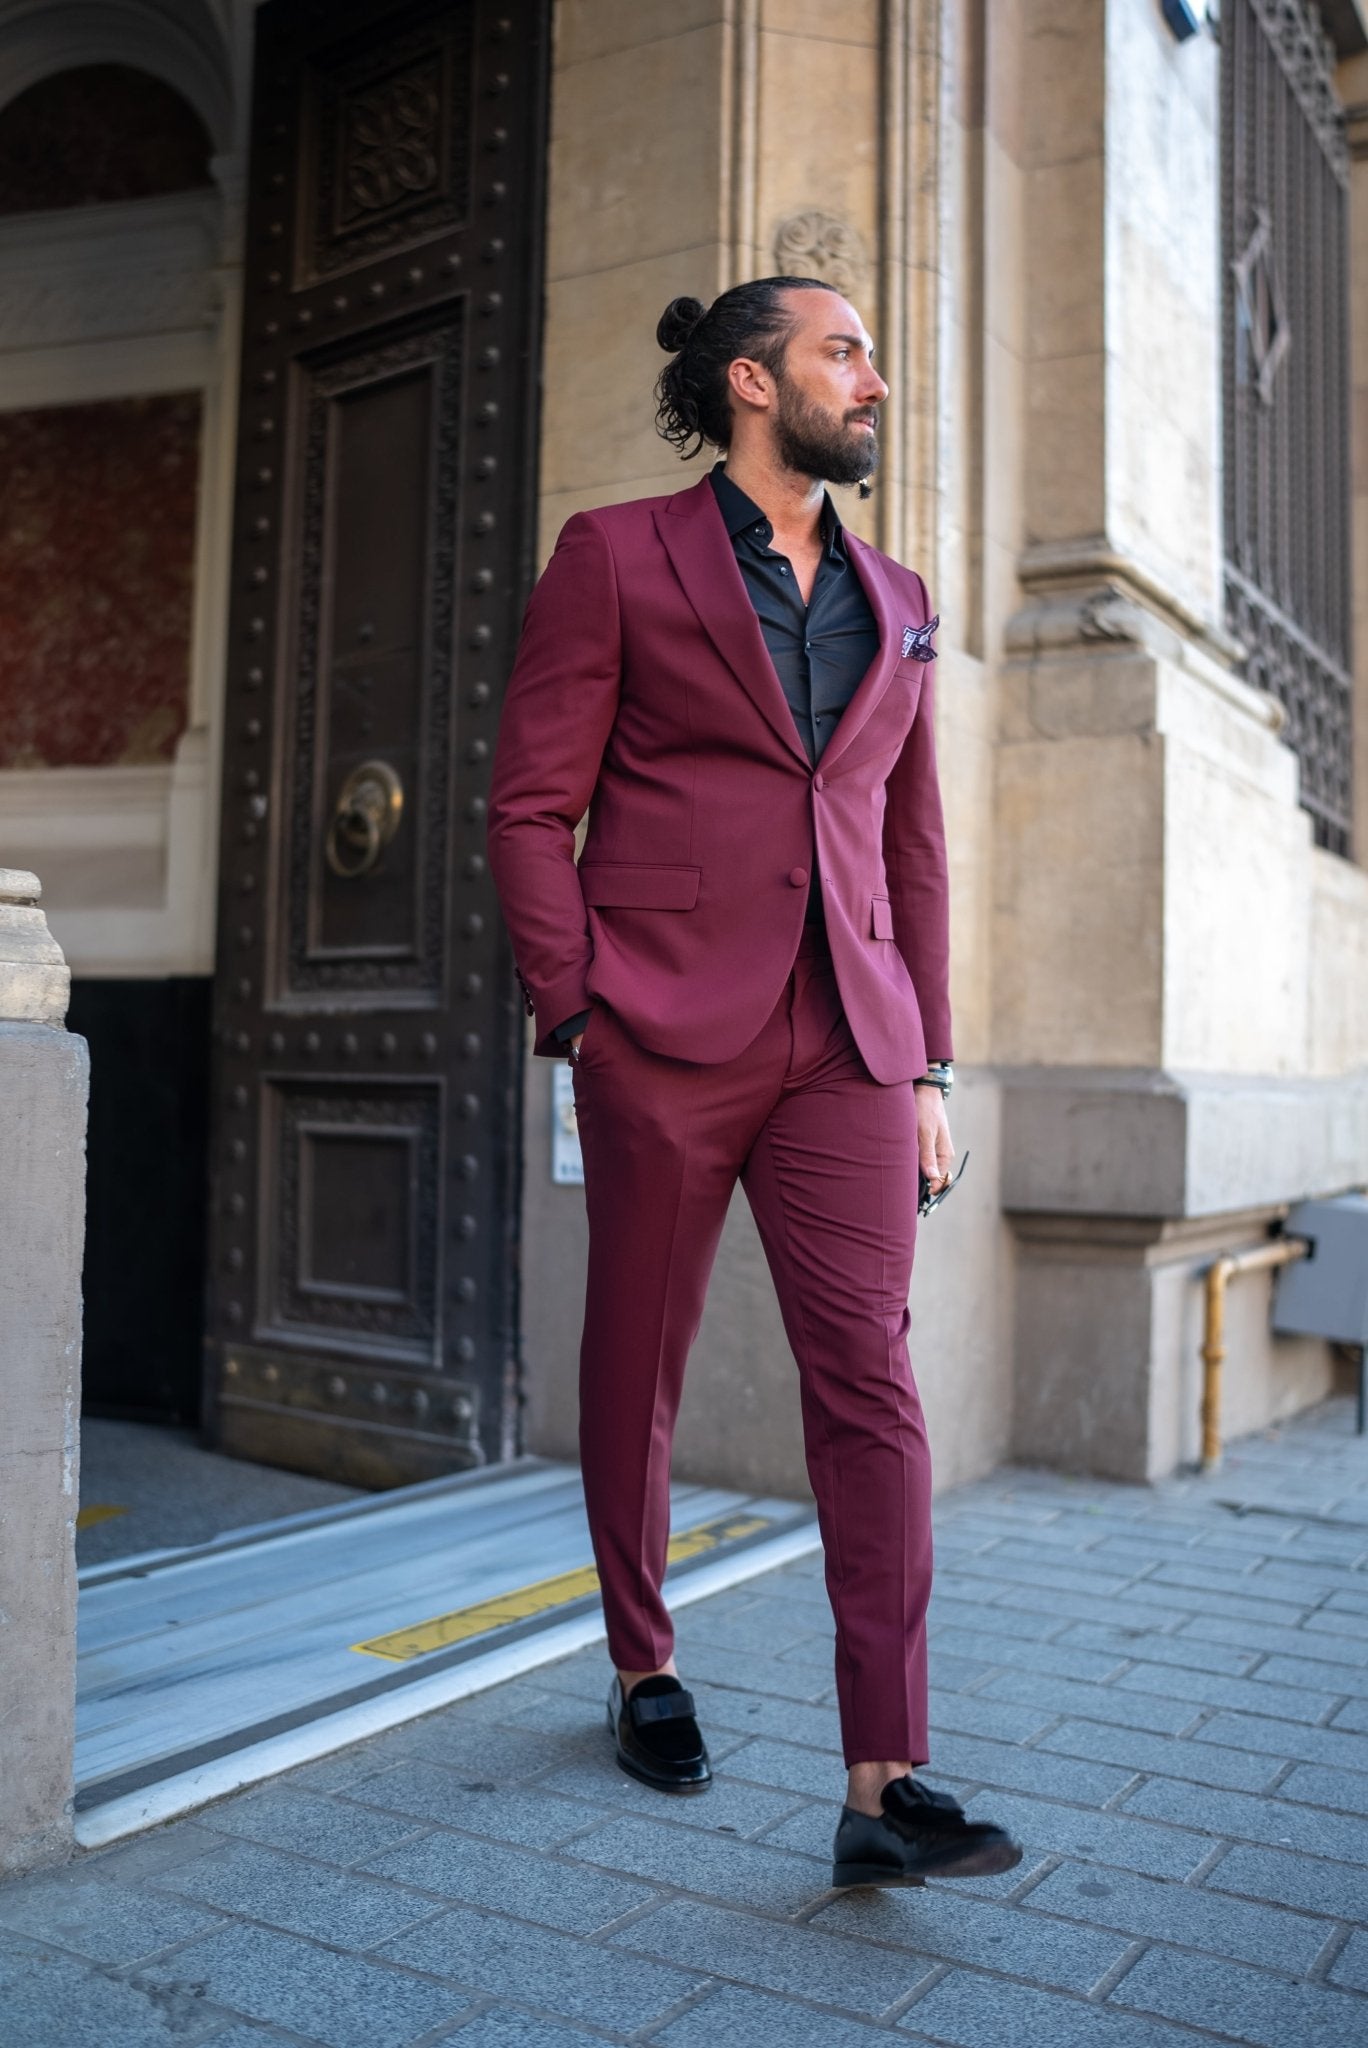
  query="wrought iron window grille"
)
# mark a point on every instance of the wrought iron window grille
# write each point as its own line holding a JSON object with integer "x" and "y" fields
{"x": 1285, "y": 375}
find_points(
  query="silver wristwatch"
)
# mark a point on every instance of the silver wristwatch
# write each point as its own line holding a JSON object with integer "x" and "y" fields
{"x": 939, "y": 1074}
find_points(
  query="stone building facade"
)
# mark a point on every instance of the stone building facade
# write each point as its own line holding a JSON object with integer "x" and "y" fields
{"x": 1110, "y": 382}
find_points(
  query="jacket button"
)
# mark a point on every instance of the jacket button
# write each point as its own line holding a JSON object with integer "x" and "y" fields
{"x": 819, "y": 782}
{"x": 798, "y": 877}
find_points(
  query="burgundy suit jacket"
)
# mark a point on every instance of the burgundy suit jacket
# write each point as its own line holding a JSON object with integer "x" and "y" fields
{"x": 644, "y": 693}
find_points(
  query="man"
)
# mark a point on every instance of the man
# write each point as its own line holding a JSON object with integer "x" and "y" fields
{"x": 748, "y": 970}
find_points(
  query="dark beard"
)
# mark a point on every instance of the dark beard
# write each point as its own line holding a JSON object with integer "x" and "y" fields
{"x": 814, "y": 443}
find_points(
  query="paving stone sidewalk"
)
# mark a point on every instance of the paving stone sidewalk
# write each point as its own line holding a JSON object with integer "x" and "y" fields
{"x": 1167, "y": 1697}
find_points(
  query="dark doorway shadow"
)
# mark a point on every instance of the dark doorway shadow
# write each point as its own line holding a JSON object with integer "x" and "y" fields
{"x": 146, "y": 1194}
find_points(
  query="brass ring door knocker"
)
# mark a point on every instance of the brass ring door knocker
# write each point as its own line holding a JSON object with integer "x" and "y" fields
{"x": 370, "y": 804}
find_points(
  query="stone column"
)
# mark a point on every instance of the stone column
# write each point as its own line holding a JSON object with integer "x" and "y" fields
{"x": 44, "y": 1074}
{"x": 1178, "y": 973}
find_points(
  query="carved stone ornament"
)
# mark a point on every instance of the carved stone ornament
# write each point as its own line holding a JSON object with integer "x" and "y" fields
{"x": 816, "y": 244}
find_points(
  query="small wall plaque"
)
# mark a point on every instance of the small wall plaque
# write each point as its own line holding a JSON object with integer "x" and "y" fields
{"x": 567, "y": 1161}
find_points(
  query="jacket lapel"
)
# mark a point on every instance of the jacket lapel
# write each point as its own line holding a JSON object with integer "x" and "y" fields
{"x": 695, "y": 538}
{"x": 879, "y": 674}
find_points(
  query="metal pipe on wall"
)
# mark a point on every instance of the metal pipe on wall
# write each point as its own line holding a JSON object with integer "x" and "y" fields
{"x": 1280, "y": 1251}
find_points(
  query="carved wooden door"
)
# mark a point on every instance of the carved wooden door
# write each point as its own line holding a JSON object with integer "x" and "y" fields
{"x": 361, "y": 1299}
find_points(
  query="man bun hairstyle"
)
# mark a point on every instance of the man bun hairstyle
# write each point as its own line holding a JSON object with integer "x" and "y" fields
{"x": 692, "y": 403}
{"x": 678, "y": 322}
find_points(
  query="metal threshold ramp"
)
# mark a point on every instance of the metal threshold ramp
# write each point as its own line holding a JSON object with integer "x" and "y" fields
{"x": 203, "y": 1670}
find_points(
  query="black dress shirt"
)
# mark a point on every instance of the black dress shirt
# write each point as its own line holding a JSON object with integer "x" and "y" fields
{"x": 820, "y": 649}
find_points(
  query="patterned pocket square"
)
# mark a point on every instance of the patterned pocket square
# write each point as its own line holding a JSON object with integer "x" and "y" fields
{"x": 916, "y": 641}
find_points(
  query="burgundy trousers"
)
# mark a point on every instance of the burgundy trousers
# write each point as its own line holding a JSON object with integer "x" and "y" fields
{"x": 828, "y": 1159}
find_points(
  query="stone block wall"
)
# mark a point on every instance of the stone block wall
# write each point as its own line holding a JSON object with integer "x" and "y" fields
{"x": 1137, "y": 906}
{"x": 692, "y": 147}
{"x": 1174, "y": 962}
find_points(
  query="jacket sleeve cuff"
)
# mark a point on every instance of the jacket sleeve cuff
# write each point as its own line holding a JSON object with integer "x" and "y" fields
{"x": 556, "y": 1006}
{"x": 572, "y": 1026}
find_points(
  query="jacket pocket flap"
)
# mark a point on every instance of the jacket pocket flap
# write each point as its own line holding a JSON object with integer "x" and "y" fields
{"x": 883, "y": 918}
{"x": 633, "y": 885}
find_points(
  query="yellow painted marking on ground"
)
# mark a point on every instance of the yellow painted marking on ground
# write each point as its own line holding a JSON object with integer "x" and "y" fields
{"x": 443, "y": 1630}
{"x": 98, "y": 1511}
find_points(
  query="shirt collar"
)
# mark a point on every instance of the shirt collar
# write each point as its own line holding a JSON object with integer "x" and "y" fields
{"x": 741, "y": 514}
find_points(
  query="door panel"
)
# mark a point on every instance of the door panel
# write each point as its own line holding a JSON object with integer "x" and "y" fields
{"x": 376, "y": 665}
{"x": 361, "y": 1318}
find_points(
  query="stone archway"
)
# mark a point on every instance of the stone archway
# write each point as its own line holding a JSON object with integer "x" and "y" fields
{"x": 181, "y": 42}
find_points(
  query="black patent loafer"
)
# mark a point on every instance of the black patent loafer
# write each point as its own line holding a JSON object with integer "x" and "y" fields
{"x": 919, "y": 1834}
{"x": 657, "y": 1735}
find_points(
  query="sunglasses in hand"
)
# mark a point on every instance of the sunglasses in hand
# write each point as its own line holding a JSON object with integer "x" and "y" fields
{"x": 926, "y": 1201}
